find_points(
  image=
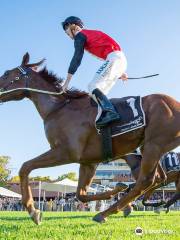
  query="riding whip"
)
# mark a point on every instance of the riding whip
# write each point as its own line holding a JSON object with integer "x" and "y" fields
{"x": 148, "y": 76}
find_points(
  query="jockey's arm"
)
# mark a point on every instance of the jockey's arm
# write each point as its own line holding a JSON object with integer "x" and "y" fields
{"x": 79, "y": 42}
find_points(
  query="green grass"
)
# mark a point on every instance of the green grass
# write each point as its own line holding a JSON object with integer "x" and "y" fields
{"x": 78, "y": 225}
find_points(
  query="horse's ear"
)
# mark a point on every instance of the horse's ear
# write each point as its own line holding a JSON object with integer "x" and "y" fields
{"x": 25, "y": 59}
{"x": 36, "y": 65}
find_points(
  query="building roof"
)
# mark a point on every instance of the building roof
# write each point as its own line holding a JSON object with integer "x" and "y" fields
{"x": 8, "y": 193}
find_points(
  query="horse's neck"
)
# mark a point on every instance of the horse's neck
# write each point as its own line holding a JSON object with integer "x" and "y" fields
{"x": 44, "y": 103}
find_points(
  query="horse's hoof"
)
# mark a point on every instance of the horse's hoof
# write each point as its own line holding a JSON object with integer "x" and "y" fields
{"x": 167, "y": 210}
{"x": 99, "y": 218}
{"x": 37, "y": 217}
{"x": 127, "y": 211}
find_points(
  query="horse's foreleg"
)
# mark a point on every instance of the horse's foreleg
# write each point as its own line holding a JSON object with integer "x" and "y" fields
{"x": 86, "y": 174}
{"x": 146, "y": 178}
{"x": 51, "y": 158}
{"x": 176, "y": 195}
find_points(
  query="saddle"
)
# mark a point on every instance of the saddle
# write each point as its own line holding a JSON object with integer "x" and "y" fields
{"x": 132, "y": 117}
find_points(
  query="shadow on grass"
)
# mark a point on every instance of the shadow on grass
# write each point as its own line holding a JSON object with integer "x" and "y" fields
{"x": 67, "y": 217}
{"x": 133, "y": 216}
{"x": 13, "y": 218}
{"x": 5, "y": 218}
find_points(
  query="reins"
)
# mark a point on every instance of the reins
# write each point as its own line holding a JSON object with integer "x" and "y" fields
{"x": 32, "y": 90}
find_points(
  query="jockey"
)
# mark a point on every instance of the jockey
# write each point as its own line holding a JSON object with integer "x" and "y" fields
{"x": 104, "y": 47}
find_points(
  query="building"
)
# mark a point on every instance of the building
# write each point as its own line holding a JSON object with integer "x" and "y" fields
{"x": 118, "y": 171}
{"x": 113, "y": 172}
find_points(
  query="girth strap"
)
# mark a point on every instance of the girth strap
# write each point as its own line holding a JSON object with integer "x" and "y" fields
{"x": 106, "y": 144}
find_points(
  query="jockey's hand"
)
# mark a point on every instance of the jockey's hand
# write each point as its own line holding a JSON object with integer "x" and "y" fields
{"x": 124, "y": 77}
{"x": 68, "y": 79}
{"x": 64, "y": 87}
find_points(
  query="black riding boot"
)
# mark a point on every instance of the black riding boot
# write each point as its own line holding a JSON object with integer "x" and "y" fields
{"x": 109, "y": 113}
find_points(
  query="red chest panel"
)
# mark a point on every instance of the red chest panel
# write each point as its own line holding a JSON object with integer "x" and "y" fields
{"x": 99, "y": 43}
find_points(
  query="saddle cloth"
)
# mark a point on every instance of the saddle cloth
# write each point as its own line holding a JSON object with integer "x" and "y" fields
{"x": 131, "y": 114}
{"x": 170, "y": 162}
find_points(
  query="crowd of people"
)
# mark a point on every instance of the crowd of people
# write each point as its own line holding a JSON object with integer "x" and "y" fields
{"x": 10, "y": 204}
{"x": 159, "y": 195}
{"x": 62, "y": 204}
{"x": 70, "y": 204}
{"x": 73, "y": 204}
{"x": 124, "y": 177}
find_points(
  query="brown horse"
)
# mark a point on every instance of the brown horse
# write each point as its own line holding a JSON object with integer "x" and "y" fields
{"x": 69, "y": 127}
{"x": 134, "y": 162}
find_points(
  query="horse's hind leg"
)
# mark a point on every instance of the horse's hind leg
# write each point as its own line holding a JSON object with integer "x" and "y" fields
{"x": 148, "y": 194}
{"x": 86, "y": 174}
{"x": 51, "y": 158}
{"x": 151, "y": 156}
{"x": 162, "y": 175}
{"x": 160, "y": 180}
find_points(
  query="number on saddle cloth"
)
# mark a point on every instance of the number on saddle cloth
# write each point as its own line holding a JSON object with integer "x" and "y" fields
{"x": 170, "y": 162}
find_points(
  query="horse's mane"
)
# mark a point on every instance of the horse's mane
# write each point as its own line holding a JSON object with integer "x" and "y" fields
{"x": 52, "y": 78}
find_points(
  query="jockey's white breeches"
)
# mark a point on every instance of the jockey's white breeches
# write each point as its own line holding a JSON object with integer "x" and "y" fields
{"x": 107, "y": 75}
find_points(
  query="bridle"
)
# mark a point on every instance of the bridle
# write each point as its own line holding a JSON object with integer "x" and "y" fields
{"x": 25, "y": 76}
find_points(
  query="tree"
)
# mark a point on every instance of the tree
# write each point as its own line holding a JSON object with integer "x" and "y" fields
{"x": 70, "y": 175}
{"x": 4, "y": 170}
{"x": 15, "y": 179}
{"x": 39, "y": 178}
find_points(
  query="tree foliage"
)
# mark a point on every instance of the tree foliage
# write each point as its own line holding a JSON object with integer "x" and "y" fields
{"x": 4, "y": 170}
{"x": 15, "y": 179}
{"x": 39, "y": 178}
{"x": 70, "y": 175}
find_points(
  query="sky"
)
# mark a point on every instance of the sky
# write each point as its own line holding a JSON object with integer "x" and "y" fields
{"x": 147, "y": 31}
